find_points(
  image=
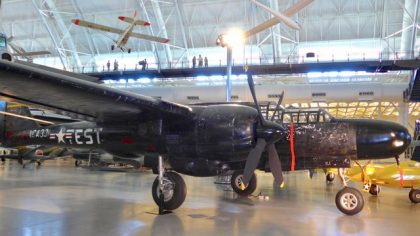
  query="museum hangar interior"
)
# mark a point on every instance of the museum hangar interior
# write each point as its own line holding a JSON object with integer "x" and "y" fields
{"x": 186, "y": 117}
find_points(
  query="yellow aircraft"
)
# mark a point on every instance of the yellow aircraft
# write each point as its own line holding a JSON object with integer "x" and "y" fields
{"x": 372, "y": 175}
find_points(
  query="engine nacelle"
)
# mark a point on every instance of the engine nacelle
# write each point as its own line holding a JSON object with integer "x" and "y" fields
{"x": 221, "y": 131}
{"x": 225, "y": 130}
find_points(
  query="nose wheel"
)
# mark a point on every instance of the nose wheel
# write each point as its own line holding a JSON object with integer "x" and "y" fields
{"x": 348, "y": 200}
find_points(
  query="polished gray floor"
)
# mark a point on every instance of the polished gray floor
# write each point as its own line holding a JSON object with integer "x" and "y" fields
{"x": 58, "y": 199}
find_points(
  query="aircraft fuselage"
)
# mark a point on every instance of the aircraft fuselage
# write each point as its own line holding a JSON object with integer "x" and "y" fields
{"x": 219, "y": 137}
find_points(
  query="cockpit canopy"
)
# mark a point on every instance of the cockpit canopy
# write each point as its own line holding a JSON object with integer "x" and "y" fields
{"x": 295, "y": 115}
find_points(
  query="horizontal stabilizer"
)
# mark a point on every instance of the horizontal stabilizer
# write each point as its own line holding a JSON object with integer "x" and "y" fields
{"x": 131, "y": 20}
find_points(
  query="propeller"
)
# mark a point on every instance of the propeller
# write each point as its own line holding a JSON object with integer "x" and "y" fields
{"x": 267, "y": 134}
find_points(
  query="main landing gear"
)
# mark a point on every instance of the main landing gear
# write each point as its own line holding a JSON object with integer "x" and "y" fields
{"x": 348, "y": 200}
{"x": 169, "y": 190}
{"x": 236, "y": 181}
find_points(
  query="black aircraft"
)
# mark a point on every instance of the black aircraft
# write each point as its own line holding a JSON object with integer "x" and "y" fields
{"x": 200, "y": 140}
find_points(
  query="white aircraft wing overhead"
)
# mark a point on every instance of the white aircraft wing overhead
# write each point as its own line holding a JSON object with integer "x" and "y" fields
{"x": 281, "y": 17}
{"x": 96, "y": 26}
{"x": 149, "y": 37}
{"x": 273, "y": 21}
{"x": 35, "y": 53}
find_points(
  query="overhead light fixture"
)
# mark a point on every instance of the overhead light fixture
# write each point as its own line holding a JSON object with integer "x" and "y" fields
{"x": 234, "y": 38}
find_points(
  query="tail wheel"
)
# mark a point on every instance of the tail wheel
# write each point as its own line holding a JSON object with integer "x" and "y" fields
{"x": 112, "y": 47}
{"x": 374, "y": 189}
{"x": 349, "y": 201}
{"x": 174, "y": 190}
{"x": 330, "y": 177}
{"x": 414, "y": 195}
{"x": 236, "y": 181}
{"x": 129, "y": 50}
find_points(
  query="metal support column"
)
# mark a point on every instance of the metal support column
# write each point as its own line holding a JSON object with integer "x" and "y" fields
{"x": 228, "y": 73}
{"x": 403, "y": 116}
{"x": 162, "y": 29}
{"x": 408, "y": 36}
{"x": 150, "y": 29}
{"x": 275, "y": 34}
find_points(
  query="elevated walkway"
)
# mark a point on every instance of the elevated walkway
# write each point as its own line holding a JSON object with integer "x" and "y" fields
{"x": 369, "y": 66}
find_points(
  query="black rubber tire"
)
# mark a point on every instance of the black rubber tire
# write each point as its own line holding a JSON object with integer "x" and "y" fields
{"x": 350, "y": 196}
{"x": 414, "y": 195}
{"x": 330, "y": 177}
{"x": 252, "y": 186}
{"x": 112, "y": 47}
{"x": 76, "y": 163}
{"x": 374, "y": 189}
{"x": 179, "y": 194}
{"x": 129, "y": 50}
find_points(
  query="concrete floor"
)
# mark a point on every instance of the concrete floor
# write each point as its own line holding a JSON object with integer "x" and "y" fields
{"x": 58, "y": 199}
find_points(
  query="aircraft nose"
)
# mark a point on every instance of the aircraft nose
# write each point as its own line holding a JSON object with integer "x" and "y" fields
{"x": 381, "y": 139}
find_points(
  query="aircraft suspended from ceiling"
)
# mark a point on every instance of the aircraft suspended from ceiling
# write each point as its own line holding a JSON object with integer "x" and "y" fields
{"x": 125, "y": 34}
{"x": 20, "y": 52}
{"x": 278, "y": 17}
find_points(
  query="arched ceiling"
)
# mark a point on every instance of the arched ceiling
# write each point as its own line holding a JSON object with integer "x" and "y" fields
{"x": 193, "y": 25}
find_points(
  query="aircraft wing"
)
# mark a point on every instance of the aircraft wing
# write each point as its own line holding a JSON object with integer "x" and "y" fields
{"x": 96, "y": 26}
{"x": 64, "y": 91}
{"x": 149, "y": 38}
{"x": 31, "y": 54}
{"x": 273, "y": 21}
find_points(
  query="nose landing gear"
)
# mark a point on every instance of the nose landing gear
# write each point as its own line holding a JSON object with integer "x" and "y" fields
{"x": 348, "y": 200}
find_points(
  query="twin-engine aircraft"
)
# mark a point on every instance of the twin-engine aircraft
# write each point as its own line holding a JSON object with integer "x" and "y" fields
{"x": 125, "y": 34}
{"x": 196, "y": 140}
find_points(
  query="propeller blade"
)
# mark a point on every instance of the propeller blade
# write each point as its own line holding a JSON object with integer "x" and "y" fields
{"x": 278, "y": 105}
{"x": 252, "y": 160}
{"x": 275, "y": 164}
{"x": 254, "y": 97}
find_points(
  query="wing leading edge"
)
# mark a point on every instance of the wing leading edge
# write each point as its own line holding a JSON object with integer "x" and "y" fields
{"x": 273, "y": 21}
{"x": 64, "y": 92}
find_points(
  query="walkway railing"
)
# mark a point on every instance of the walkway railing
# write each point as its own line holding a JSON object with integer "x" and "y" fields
{"x": 309, "y": 58}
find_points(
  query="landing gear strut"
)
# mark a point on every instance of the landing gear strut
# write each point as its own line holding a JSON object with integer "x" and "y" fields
{"x": 169, "y": 190}
{"x": 348, "y": 200}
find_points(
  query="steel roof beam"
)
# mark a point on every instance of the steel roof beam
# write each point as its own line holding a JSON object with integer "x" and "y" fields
{"x": 56, "y": 27}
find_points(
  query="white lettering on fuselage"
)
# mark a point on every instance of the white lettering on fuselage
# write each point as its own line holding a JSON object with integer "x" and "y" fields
{"x": 72, "y": 136}
{"x": 39, "y": 133}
